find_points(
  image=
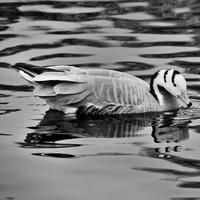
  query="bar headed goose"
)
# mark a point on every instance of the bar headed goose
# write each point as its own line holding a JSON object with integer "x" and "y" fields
{"x": 105, "y": 92}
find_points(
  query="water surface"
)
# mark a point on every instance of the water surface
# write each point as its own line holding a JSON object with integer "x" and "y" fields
{"x": 47, "y": 155}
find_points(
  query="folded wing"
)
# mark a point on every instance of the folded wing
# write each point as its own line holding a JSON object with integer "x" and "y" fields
{"x": 76, "y": 87}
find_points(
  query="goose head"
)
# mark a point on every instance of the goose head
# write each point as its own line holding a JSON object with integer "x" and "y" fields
{"x": 169, "y": 88}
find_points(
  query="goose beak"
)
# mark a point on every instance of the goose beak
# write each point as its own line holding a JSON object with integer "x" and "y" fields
{"x": 183, "y": 97}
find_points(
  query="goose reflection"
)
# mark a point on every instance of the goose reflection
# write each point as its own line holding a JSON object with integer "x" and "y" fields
{"x": 168, "y": 129}
{"x": 55, "y": 126}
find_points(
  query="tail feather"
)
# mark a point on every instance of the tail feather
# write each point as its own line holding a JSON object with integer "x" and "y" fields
{"x": 27, "y": 71}
{"x": 29, "y": 68}
{"x": 27, "y": 75}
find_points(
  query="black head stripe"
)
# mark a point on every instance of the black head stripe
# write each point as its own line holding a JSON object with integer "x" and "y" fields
{"x": 165, "y": 75}
{"x": 151, "y": 85}
{"x": 173, "y": 76}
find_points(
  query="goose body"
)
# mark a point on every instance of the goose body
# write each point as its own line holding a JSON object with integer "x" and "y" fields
{"x": 100, "y": 91}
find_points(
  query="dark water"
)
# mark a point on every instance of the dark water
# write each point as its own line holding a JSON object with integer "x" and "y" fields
{"x": 47, "y": 155}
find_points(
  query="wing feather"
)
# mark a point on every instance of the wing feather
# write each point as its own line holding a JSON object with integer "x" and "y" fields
{"x": 65, "y": 100}
{"x": 62, "y": 67}
{"x": 69, "y": 88}
{"x": 114, "y": 74}
{"x": 45, "y": 89}
{"x": 117, "y": 91}
{"x": 60, "y": 76}
{"x": 96, "y": 72}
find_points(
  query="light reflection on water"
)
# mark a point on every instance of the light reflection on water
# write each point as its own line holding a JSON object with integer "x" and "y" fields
{"x": 48, "y": 155}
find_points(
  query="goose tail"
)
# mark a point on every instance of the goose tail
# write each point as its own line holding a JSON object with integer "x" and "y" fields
{"x": 27, "y": 71}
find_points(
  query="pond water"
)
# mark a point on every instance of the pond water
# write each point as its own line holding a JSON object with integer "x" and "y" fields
{"x": 47, "y": 155}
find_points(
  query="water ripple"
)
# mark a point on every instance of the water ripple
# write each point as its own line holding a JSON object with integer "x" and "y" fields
{"x": 174, "y": 55}
{"x": 24, "y": 88}
{"x": 59, "y": 55}
{"x": 61, "y": 155}
{"x": 69, "y": 41}
{"x": 7, "y": 111}
{"x": 137, "y": 37}
{"x": 190, "y": 184}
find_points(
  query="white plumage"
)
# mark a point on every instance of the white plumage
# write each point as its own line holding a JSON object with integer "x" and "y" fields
{"x": 106, "y": 92}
